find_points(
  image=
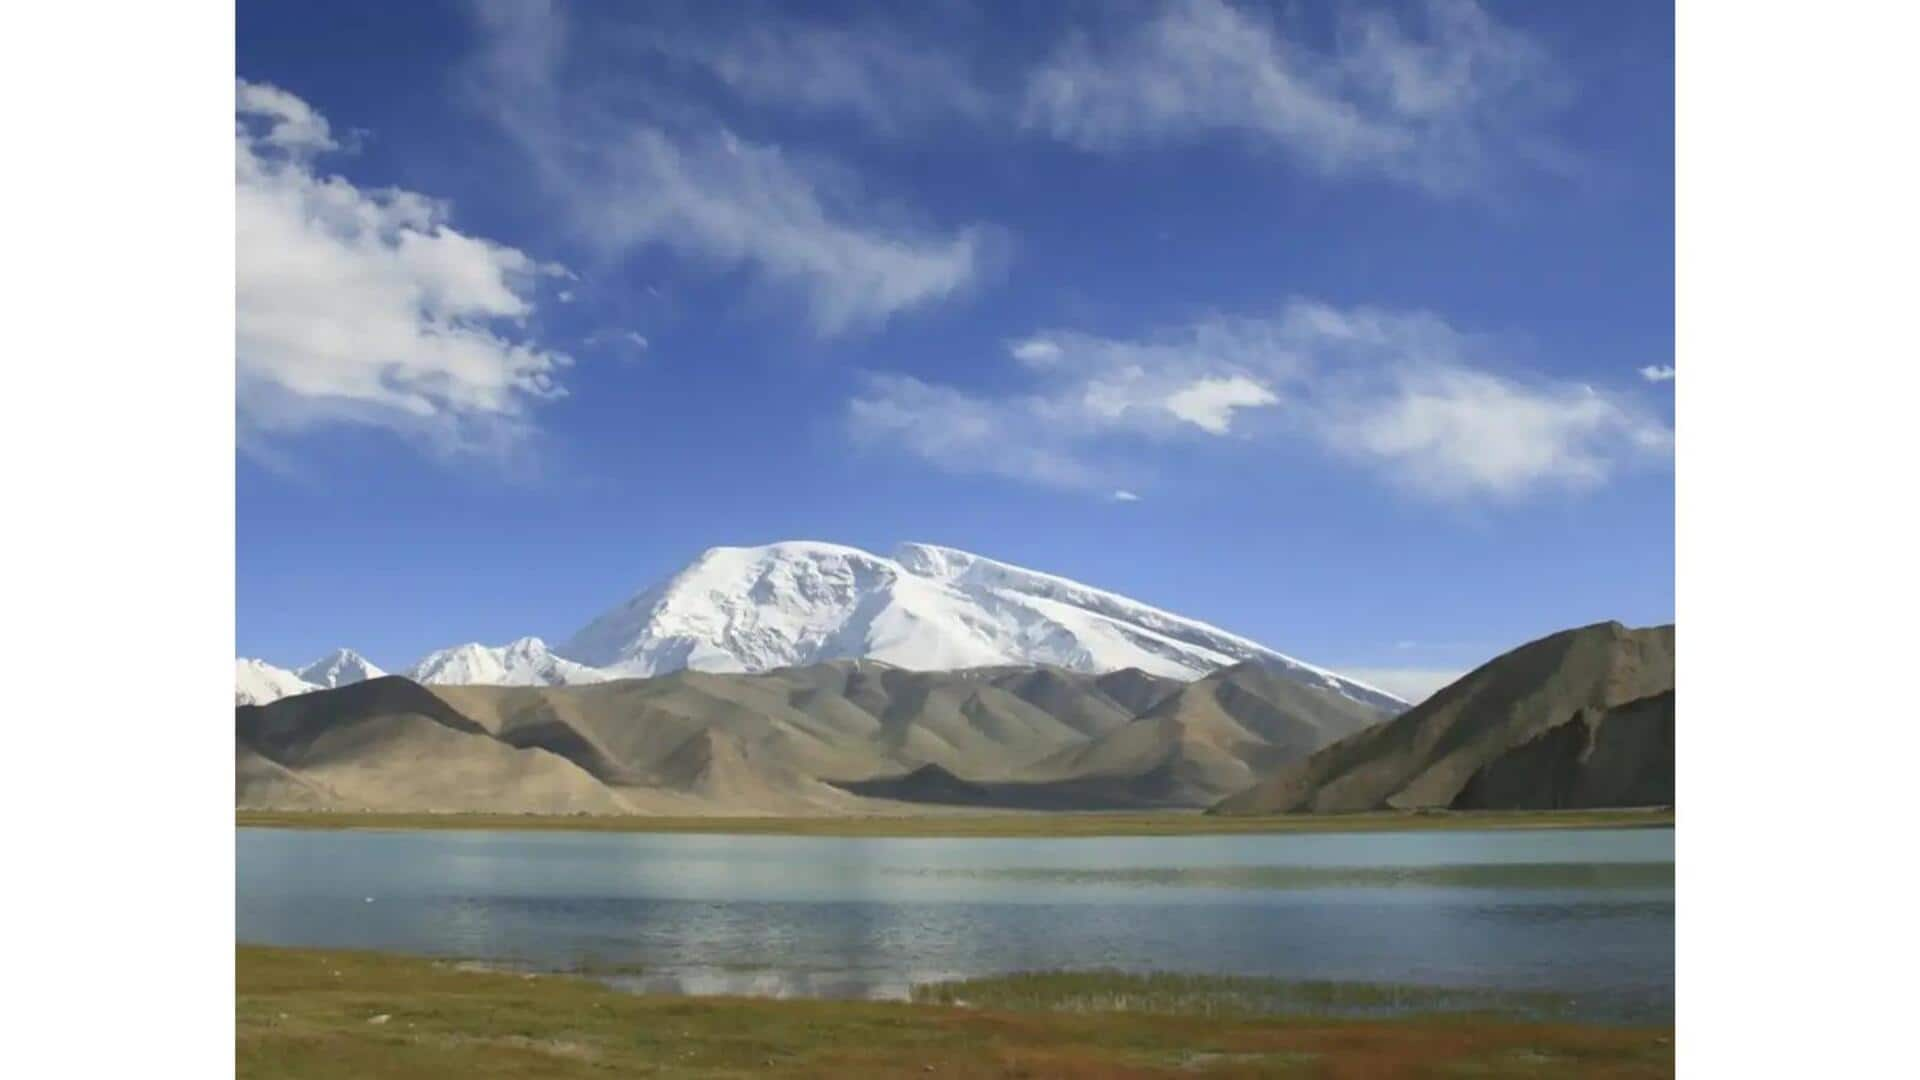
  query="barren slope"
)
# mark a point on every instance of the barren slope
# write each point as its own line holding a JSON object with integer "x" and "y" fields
{"x": 1426, "y": 756}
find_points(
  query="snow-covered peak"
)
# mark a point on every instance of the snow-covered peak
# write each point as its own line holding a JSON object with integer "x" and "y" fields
{"x": 977, "y": 573}
{"x": 967, "y": 570}
{"x": 934, "y": 561}
{"x": 927, "y": 608}
{"x": 738, "y": 609}
{"x": 525, "y": 662}
{"x": 340, "y": 668}
{"x": 256, "y": 682}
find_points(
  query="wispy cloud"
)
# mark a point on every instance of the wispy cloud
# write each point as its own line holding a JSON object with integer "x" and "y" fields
{"x": 1026, "y": 438}
{"x": 1430, "y": 100}
{"x": 1657, "y": 373}
{"x": 1122, "y": 495}
{"x": 630, "y": 180}
{"x": 1434, "y": 93}
{"x": 782, "y": 62}
{"x": 1455, "y": 432}
{"x": 1412, "y": 685}
{"x": 630, "y": 343}
{"x": 1403, "y": 395}
{"x": 365, "y": 306}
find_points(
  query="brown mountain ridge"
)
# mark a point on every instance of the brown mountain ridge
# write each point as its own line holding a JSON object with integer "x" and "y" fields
{"x": 1581, "y": 718}
{"x": 834, "y": 738}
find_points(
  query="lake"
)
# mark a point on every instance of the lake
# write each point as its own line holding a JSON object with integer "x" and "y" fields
{"x": 1582, "y": 912}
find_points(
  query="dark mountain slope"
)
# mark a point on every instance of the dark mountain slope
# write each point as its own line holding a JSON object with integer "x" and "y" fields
{"x": 1426, "y": 757}
{"x": 1621, "y": 756}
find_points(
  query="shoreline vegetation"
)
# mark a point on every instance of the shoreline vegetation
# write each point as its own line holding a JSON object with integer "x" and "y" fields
{"x": 1180, "y": 994}
{"x": 323, "y": 1014}
{"x": 1031, "y": 824}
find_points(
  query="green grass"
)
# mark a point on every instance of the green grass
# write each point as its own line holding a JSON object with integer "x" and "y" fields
{"x": 313, "y": 1015}
{"x": 1171, "y": 994}
{"x": 1061, "y": 824}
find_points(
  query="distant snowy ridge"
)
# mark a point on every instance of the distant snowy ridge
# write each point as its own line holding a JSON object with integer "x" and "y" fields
{"x": 526, "y": 662}
{"x": 927, "y": 608}
{"x": 340, "y": 667}
{"x": 256, "y": 682}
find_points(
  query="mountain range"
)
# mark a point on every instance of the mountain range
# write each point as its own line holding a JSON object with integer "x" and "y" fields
{"x": 1583, "y": 718}
{"x": 803, "y": 678}
{"x": 842, "y": 736}
{"x": 798, "y": 603}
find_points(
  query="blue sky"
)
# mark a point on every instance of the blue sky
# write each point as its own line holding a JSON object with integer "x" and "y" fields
{"x": 1347, "y": 327}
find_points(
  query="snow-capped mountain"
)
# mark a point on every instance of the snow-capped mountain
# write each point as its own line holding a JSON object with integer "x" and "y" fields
{"x": 256, "y": 682}
{"x": 926, "y": 608}
{"x": 339, "y": 668}
{"x": 800, "y": 602}
{"x": 526, "y": 662}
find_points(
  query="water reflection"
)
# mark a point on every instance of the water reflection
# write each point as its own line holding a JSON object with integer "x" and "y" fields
{"x": 1583, "y": 911}
{"x": 1561, "y": 875}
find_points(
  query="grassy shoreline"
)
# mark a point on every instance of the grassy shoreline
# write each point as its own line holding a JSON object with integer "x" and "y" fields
{"x": 320, "y": 1015}
{"x": 1033, "y": 824}
{"x": 1248, "y": 997}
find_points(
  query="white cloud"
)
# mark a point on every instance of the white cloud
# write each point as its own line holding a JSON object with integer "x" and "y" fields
{"x": 365, "y": 306}
{"x": 1427, "y": 100}
{"x": 1657, "y": 373}
{"x": 633, "y": 180}
{"x": 1451, "y": 431}
{"x": 1400, "y": 394}
{"x": 1122, "y": 495}
{"x": 1036, "y": 351}
{"x": 291, "y": 124}
{"x": 1208, "y": 403}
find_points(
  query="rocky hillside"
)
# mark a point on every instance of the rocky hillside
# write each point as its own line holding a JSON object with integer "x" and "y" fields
{"x": 1583, "y": 717}
{"x": 1621, "y": 756}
